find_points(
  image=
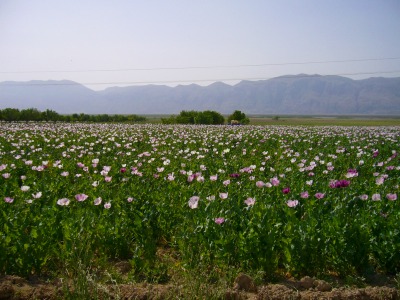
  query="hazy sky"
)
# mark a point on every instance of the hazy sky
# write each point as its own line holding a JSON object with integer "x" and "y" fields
{"x": 184, "y": 41}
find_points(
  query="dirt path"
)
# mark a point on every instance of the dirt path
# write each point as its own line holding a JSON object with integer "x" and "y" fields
{"x": 13, "y": 287}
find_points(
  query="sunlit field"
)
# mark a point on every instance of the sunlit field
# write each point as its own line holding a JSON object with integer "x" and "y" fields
{"x": 261, "y": 199}
{"x": 326, "y": 120}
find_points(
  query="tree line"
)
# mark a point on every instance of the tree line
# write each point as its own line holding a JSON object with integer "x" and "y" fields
{"x": 207, "y": 117}
{"x": 33, "y": 114}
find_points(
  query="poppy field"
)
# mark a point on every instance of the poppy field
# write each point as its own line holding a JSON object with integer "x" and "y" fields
{"x": 272, "y": 199}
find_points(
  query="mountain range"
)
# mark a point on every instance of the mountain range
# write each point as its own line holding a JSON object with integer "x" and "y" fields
{"x": 292, "y": 94}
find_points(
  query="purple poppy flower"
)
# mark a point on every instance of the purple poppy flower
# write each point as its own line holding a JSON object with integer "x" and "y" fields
{"x": 351, "y": 173}
{"x": 339, "y": 183}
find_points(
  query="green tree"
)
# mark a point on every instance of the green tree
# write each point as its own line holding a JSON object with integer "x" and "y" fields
{"x": 10, "y": 114}
{"x": 210, "y": 117}
{"x": 187, "y": 117}
{"x": 169, "y": 120}
{"x": 30, "y": 114}
{"x": 238, "y": 116}
{"x": 207, "y": 117}
{"x": 50, "y": 115}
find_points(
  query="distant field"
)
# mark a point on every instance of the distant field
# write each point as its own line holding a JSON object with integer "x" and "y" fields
{"x": 310, "y": 120}
{"x": 325, "y": 121}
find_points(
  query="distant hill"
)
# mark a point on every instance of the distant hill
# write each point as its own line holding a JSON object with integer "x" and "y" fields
{"x": 297, "y": 94}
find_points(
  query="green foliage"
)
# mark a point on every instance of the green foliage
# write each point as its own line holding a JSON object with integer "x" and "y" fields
{"x": 147, "y": 176}
{"x": 240, "y": 117}
{"x": 207, "y": 117}
{"x": 33, "y": 114}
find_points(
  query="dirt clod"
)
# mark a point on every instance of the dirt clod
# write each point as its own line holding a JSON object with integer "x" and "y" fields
{"x": 306, "y": 282}
{"x": 276, "y": 292}
{"x": 322, "y": 286}
{"x": 123, "y": 267}
{"x": 6, "y": 291}
{"x": 245, "y": 283}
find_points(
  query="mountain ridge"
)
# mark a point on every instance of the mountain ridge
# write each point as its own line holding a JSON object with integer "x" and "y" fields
{"x": 288, "y": 94}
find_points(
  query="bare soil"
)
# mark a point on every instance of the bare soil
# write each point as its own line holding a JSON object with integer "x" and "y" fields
{"x": 14, "y": 287}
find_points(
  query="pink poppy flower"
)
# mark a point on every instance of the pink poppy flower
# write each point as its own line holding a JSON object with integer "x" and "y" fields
{"x": 25, "y": 188}
{"x": 219, "y": 221}
{"x": 223, "y": 195}
{"x": 81, "y": 197}
{"x": 63, "y": 202}
{"x": 200, "y": 179}
{"x": 319, "y": 195}
{"x": 292, "y": 203}
{"x": 376, "y": 197}
{"x": 260, "y": 184}
{"x": 213, "y": 177}
{"x": 194, "y": 202}
{"x": 250, "y": 201}
{"x": 107, "y": 205}
{"x": 391, "y": 197}
{"x": 274, "y": 181}
{"x": 8, "y": 199}
{"x": 37, "y": 195}
{"x": 304, "y": 195}
{"x": 191, "y": 177}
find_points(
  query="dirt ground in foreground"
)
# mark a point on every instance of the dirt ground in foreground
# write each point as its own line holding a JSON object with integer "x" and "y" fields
{"x": 13, "y": 287}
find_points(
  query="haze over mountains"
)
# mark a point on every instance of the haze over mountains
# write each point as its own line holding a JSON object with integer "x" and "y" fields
{"x": 299, "y": 94}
